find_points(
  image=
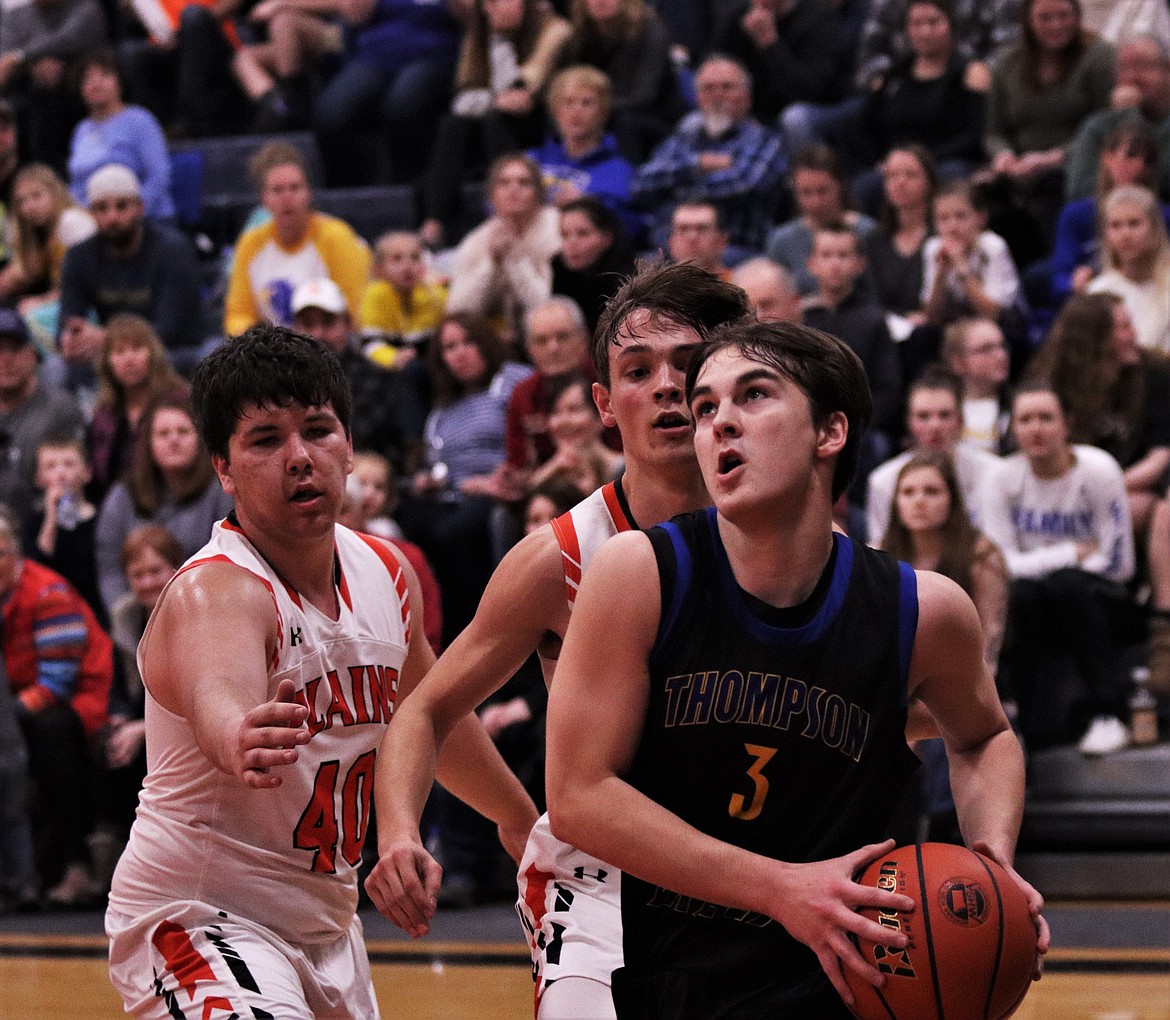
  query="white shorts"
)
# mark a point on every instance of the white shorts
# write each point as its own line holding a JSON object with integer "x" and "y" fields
{"x": 188, "y": 959}
{"x": 571, "y": 907}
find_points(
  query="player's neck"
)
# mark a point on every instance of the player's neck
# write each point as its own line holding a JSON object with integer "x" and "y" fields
{"x": 308, "y": 566}
{"x": 779, "y": 561}
{"x": 655, "y": 496}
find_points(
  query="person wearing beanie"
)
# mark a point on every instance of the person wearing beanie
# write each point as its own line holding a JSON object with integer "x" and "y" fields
{"x": 132, "y": 264}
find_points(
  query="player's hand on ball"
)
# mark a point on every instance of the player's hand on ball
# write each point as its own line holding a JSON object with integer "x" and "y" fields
{"x": 818, "y": 907}
{"x": 404, "y": 886}
{"x": 1035, "y": 904}
{"x": 268, "y": 738}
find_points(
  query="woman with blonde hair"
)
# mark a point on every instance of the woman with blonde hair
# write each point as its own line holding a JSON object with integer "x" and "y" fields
{"x": 628, "y": 42}
{"x": 1129, "y": 156}
{"x": 1135, "y": 262}
{"x": 45, "y": 222}
{"x": 133, "y": 371}
{"x": 580, "y": 157}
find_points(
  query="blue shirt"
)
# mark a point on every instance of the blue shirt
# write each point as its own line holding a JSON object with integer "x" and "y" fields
{"x": 745, "y": 192}
{"x": 133, "y": 138}
{"x": 602, "y": 172}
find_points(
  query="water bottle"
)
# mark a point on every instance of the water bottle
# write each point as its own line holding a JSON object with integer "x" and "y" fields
{"x": 68, "y": 514}
{"x": 1143, "y": 710}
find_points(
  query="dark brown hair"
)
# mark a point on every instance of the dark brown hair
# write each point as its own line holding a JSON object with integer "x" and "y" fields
{"x": 145, "y": 480}
{"x": 959, "y": 536}
{"x": 677, "y": 292}
{"x": 447, "y": 388}
{"x": 825, "y": 368}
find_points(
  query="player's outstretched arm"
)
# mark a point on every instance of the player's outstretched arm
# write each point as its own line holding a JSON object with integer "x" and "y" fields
{"x": 206, "y": 655}
{"x": 596, "y": 712}
{"x": 949, "y": 674}
{"x": 520, "y": 603}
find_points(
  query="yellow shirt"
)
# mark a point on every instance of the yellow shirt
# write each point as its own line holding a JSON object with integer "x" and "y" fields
{"x": 266, "y": 273}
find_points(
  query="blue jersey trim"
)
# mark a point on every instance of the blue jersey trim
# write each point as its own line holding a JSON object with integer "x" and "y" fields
{"x": 765, "y": 632}
{"x": 683, "y": 572}
{"x": 907, "y": 618}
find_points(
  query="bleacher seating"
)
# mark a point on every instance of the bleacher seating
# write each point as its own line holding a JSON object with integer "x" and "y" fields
{"x": 225, "y": 160}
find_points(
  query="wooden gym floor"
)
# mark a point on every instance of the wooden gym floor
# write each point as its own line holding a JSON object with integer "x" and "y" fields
{"x": 1110, "y": 961}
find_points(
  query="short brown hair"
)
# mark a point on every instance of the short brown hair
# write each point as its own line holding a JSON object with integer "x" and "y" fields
{"x": 678, "y": 292}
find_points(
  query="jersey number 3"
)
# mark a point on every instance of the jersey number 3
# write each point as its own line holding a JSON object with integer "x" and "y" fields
{"x": 318, "y": 829}
{"x": 740, "y": 807}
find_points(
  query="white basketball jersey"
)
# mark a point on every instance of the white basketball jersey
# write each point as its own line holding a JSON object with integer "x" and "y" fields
{"x": 284, "y": 858}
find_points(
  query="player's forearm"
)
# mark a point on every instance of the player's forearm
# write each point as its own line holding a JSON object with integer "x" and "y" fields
{"x": 407, "y": 762}
{"x": 988, "y": 786}
{"x": 470, "y": 767}
{"x": 621, "y": 826}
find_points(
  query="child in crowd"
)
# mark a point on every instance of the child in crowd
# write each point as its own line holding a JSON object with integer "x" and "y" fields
{"x": 548, "y": 501}
{"x": 843, "y": 306}
{"x": 62, "y": 531}
{"x": 402, "y": 304}
{"x": 976, "y": 351}
{"x": 371, "y": 494}
{"x": 967, "y": 271}
{"x": 1135, "y": 259}
{"x": 377, "y": 487}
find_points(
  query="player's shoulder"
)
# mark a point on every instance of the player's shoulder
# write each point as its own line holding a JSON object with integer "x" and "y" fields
{"x": 215, "y": 581}
{"x": 536, "y": 559}
{"x": 942, "y": 604}
{"x": 628, "y": 551}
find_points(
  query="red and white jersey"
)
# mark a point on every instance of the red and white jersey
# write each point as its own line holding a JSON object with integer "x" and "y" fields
{"x": 284, "y": 858}
{"x": 580, "y": 532}
{"x": 585, "y": 529}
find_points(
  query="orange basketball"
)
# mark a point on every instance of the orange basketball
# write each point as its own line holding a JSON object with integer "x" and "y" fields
{"x": 972, "y": 945}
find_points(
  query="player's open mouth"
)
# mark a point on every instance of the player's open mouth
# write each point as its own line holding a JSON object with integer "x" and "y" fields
{"x": 729, "y": 460}
{"x": 305, "y": 495}
{"x": 672, "y": 421}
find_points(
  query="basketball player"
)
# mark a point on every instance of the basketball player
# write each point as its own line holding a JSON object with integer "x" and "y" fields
{"x": 569, "y": 902}
{"x": 727, "y": 723}
{"x": 273, "y": 664}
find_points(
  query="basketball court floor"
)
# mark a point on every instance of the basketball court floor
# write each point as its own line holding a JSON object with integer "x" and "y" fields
{"x": 1110, "y": 961}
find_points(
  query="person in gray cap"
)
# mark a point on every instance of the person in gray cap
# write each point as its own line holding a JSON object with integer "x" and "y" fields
{"x": 131, "y": 264}
{"x": 29, "y": 412}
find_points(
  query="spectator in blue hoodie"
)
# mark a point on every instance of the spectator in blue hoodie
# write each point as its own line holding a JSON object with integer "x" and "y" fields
{"x": 583, "y": 158}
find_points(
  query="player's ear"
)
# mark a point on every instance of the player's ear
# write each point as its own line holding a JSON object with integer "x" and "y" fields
{"x": 601, "y": 399}
{"x": 832, "y": 435}
{"x": 223, "y": 471}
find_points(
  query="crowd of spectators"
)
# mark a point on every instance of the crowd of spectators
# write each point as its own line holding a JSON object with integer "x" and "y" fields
{"x": 971, "y": 193}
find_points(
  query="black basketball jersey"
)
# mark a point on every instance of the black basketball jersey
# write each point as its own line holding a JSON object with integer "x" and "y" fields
{"x": 781, "y": 731}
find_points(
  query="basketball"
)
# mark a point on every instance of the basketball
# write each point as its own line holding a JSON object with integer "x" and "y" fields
{"x": 972, "y": 948}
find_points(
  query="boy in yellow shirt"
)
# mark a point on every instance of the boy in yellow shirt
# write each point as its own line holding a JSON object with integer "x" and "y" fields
{"x": 401, "y": 306}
